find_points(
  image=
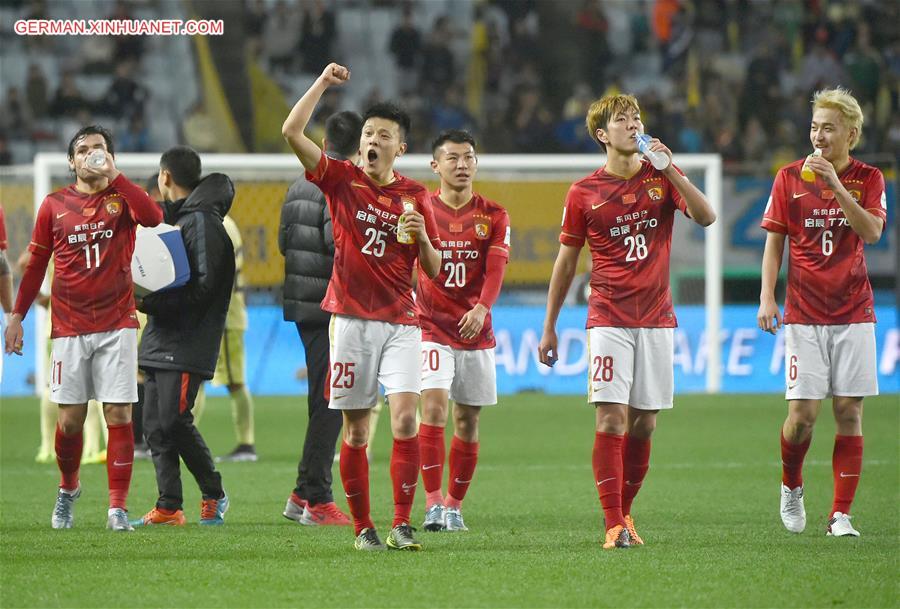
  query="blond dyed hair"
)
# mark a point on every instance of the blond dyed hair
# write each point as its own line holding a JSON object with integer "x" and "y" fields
{"x": 602, "y": 110}
{"x": 842, "y": 100}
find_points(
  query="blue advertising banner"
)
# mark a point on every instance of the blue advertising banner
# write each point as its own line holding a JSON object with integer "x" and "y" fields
{"x": 752, "y": 361}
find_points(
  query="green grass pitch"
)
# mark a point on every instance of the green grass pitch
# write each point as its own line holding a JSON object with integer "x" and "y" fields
{"x": 708, "y": 513}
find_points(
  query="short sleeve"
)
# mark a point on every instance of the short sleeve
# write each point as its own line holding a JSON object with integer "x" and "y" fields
{"x": 675, "y": 196}
{"x": 573, "y": 228}
{"x": 500, "y": 234}
{"x": 42, "y": 235}
{"x": 427, "y": 211}
{"x": 875, "y": 198}
{"x": 775, "y": 216}
{"x": 328, "y": 173}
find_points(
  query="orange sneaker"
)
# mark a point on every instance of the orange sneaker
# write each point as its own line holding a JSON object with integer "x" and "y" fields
{"x": 635, "y": 538}
{"x": 324, "y": 514}
{"x": 617, "y": 537}
{"x": 158, "y": 516}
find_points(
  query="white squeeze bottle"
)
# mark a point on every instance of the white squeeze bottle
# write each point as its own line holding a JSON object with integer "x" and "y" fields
{"x": 807, "y": 174}
{"x": 404, "y": 236}
{"x": 660, "y": 160}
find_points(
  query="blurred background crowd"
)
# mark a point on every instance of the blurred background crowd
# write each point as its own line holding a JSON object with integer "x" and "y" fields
{"x": 727, "y": 76}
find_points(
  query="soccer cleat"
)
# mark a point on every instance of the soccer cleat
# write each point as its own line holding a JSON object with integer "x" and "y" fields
{"x": 64, "y": 510}
{"x": 212, "y": 511}
{"x": 242, "y": 453}
{"x": 617, "y": 537}
{"x": 324, "y": 514}
{"x": 793, "y": 514}
{"x": 294, "y": 508}
{"x": 453, "y": 520}
{"x": 157, "y": 517}
{"x": 117, "y": 520}
{"x": 839, "y": 526}
{"x": 434, "y": 518}
{"x": 368, "y": 541}
{"x": 632, "y": 533}
{"x": 401, "y": 538}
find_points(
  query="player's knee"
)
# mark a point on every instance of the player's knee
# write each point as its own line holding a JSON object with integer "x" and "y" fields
{"x": 70, "y": 426}
{"x": 404, "y": 424}
{"x": 356, "y": 436}
{"x": 850, "y": 417}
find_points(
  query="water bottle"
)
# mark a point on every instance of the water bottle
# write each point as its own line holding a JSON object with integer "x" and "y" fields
{"x": 659, "y": 160}
{"x": 403, "y": 235}
{"x": 96, "y": 159}
{"x": 806, "y": 173}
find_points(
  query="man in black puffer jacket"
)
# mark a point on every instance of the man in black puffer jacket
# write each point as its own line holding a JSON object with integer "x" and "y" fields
{"x": 306, "y": 242}
{"x": 180, "y": 344}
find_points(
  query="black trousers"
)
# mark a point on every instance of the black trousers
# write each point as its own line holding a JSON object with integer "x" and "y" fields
{"x": 169, "y": 425}
{"x": 314, "y": 472}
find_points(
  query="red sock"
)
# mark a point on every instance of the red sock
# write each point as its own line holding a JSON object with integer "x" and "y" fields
{"x": 463, "y": 458}
{"x": 607, "y": 461}
{"x": 431, "y": 452}
{"x": 68, "y": 458}
{"x": 792, "y": 456}
{"x": 355, "y": 478}
{"x": 635, "y": 463}
{"x": 405, "y": 476}
{"x": 119, "y": 462}
{"x": 846, "y": 464}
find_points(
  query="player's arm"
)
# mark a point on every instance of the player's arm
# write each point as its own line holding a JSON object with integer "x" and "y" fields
{"x": 769, "y": 316}
{"x": 697, "y": 204}
{"x": 868, "y": 226}
{"x": 560, "y": 281}
{"x": 6, "y": 283}
{"x": 144, "y": 209}
{"x": 416, "y": 222}
{"x": 32, "y": 278}
{"x": 295, "y": 124}
{"x": 471, "y": 324}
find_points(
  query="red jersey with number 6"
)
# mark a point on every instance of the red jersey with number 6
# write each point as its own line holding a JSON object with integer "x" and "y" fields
{"x": 627, "y": 224}
{"x": 372, "y": 273}
{"x": 91, "y": 237}
{"x": 827, "y": 278}
{"x": 470, "y": 234}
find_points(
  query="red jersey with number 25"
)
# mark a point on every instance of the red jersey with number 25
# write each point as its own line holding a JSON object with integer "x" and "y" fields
{"x": 372, "y": 275}
{"x": 470, "y": 234}
{"x": 827, "y": 278}
{"x": 627, "y": 224}
{"x": 91, "y": 237}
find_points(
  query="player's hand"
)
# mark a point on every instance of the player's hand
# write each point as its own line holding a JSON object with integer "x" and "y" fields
{"x": 769, "y": 317}
{"x": 472, "y": 322}
{"x": 414, "y": 223}
{"x": 334, "y": 74}
{"x": 14, "y": 335}
{"x": 823, "y": 168}
{"x": 547, "y": 349}
{"x": 108, "y": 170}
{"x": 657, "y": 146}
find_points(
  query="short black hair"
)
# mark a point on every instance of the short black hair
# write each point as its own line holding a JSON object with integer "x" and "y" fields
{"x": 342, "y": 131}
{"x": 391, "y": 112}
{"x": 457, "y": 136}
{"x": 183, "y": 163}
{"x": 92, "y": 130}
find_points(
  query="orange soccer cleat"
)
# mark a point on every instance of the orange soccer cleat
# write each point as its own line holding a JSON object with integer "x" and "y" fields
{"x": 632, "y": 534}
{"x": 617, "y": 537}
{"x": 159, "y": 516}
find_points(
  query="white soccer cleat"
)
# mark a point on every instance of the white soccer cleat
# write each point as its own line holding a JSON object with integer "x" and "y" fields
{"x": 793, "y": 514}
{"x": 839, "y": 526}
{"x": 453, "y": 520}
{"x": 434, "y": 518}
{"x": 64, "y": 510}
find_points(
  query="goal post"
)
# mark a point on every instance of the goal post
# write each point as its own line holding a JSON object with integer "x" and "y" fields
{"x": 51, "y": 170}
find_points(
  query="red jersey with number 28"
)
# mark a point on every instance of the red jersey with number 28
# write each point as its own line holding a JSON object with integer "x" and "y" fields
{"x": 827, "y": 278}
{"x": 372, "y": 275}
{"x": 91, "y": 237}
{"x": 470, "y": 234}
{"x": 627, "y": 224}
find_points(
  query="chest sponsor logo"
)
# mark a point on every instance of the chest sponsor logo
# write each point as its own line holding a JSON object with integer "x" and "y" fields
{"x": 456, "y": 227}
{"x": 655, "y": 193}
{"x": 629, "y": 198}
{"x": 482, "y": 227}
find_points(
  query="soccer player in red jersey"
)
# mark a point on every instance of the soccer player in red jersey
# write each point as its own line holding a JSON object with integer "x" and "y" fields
{"x": 625, "y": 211}
{"x": 88, "y": 228}
{"x": 375, "y": 336}
{"x": 457, "y": 336}
{"x": 829, "y": 316}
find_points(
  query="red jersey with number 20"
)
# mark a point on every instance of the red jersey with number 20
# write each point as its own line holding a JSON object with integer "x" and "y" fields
{"x": 372, "y": 275}
{"x": 627, "y": 224}
{"x": 827, "y": 278}
{"x": 470, "y": 234}
{"x": 91, "y": 237}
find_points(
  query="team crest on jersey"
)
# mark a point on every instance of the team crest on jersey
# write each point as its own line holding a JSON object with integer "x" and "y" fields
{"x": 113, "y": 206}
{"x": 655, "y": 193}
{"x": 856, "y": 195}
{"x": 482, "y": 226}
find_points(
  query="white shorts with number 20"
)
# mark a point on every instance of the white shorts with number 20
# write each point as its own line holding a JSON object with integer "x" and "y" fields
{"x": 100, "y": 366}
{"x": 469, "y": 375}
{"x": 821, "y": 361}
{"x": 364, "y": 353}
{"x": 631, "y": 366}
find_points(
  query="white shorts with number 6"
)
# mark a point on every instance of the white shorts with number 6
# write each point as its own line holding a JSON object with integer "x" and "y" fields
{"x": 101, "y": 366}
{"x": 469, "y": 375}
{"x": 631, "y": 366}
{"x": 821, "y": 361}
{"x": 366, "y": 352}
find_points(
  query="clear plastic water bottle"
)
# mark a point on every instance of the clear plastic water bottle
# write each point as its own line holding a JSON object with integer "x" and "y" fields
{"x": 659, "y": 160}
{"x": 806, "y": 173}
{"x": 403, "y": 235}
{"x": 96, "y": 159}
